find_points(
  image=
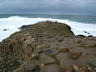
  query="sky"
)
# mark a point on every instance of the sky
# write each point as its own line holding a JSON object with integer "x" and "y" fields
{"x": 48, "y": 6}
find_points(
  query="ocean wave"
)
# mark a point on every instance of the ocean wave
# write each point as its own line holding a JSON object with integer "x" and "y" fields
{"x": 14, "y": 22}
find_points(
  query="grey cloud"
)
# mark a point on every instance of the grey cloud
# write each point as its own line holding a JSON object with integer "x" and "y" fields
{"x": 59, "y": 6}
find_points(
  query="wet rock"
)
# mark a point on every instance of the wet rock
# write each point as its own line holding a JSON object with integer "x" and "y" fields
{"x": 86, "y": 32}
{"x": 5, "y": 29}
{"x": 25, "y": 26}
{"x": 48, "y": 51}
{"x": 68, "y": 27}
{"x": 90, "y": 36}
{"x": 50, "y": 68}
{"x": 81, "y": 36}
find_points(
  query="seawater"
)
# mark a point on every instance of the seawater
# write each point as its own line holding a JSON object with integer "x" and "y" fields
{"x": 78, "y": 23}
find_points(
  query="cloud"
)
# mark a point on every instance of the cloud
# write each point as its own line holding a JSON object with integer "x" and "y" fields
{"x": 71, "y": 6}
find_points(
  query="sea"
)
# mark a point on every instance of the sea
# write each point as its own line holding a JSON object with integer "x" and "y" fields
{"x": 80, "y": 24}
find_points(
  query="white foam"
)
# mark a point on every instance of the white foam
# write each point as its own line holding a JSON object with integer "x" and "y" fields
{"x": 14, "y": 22}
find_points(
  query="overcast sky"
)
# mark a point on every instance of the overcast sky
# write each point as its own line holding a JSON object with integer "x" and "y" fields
{"x": 48, "y": 6}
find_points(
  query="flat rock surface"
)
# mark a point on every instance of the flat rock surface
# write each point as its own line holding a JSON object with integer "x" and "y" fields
{"x": 50, "y": 68}
{"x": 46, "y": 59}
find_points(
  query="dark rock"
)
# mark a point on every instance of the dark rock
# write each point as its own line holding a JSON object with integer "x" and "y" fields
{"x": 68, "y": 27}
{"x": 86, "y": 32}
{"x": 90, "y": 36}
{"x": 5, "y": 29}
{"x": 25, "y": 26}
{"x": 48, "y": 51}
{"x": 81, "y": 36}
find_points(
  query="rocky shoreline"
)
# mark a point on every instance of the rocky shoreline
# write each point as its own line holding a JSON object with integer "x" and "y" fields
{"x": 47, "y": 47}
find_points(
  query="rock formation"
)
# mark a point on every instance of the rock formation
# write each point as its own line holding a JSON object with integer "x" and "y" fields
{"x": 47, "y": 47}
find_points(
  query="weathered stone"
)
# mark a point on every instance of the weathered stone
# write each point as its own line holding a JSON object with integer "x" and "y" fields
{"x": 19, "y": 70}
{"x": 35, "y": 55}
{"x": 89, "y": 44}
{"x": 84, "y": 59}
{"x": 75, "y": 68}
{"x": 50, "y": 68}
{"x": 77, "y": 41}
{"x": 64, "y": 50}
{"x": 84, "y": 69}
{"x": 59, "y": 39}
{"x": 36, "y": 62}
{"x": 48, "y": 46}
{"x": 30, "y": 67}
{"x": 78, "y": 49}
{"x": 67, "y": 63}
{"x": 66, "y": 69}
{"x": 75, "y": 55}
{"x": 93, "y": 63}
{"x": 46, "y": 59}
{"x": 61, "y": 56}
{"x": 64, "y": 61}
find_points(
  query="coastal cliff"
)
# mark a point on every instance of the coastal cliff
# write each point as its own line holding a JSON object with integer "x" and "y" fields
{"x": 47, "y": 47}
